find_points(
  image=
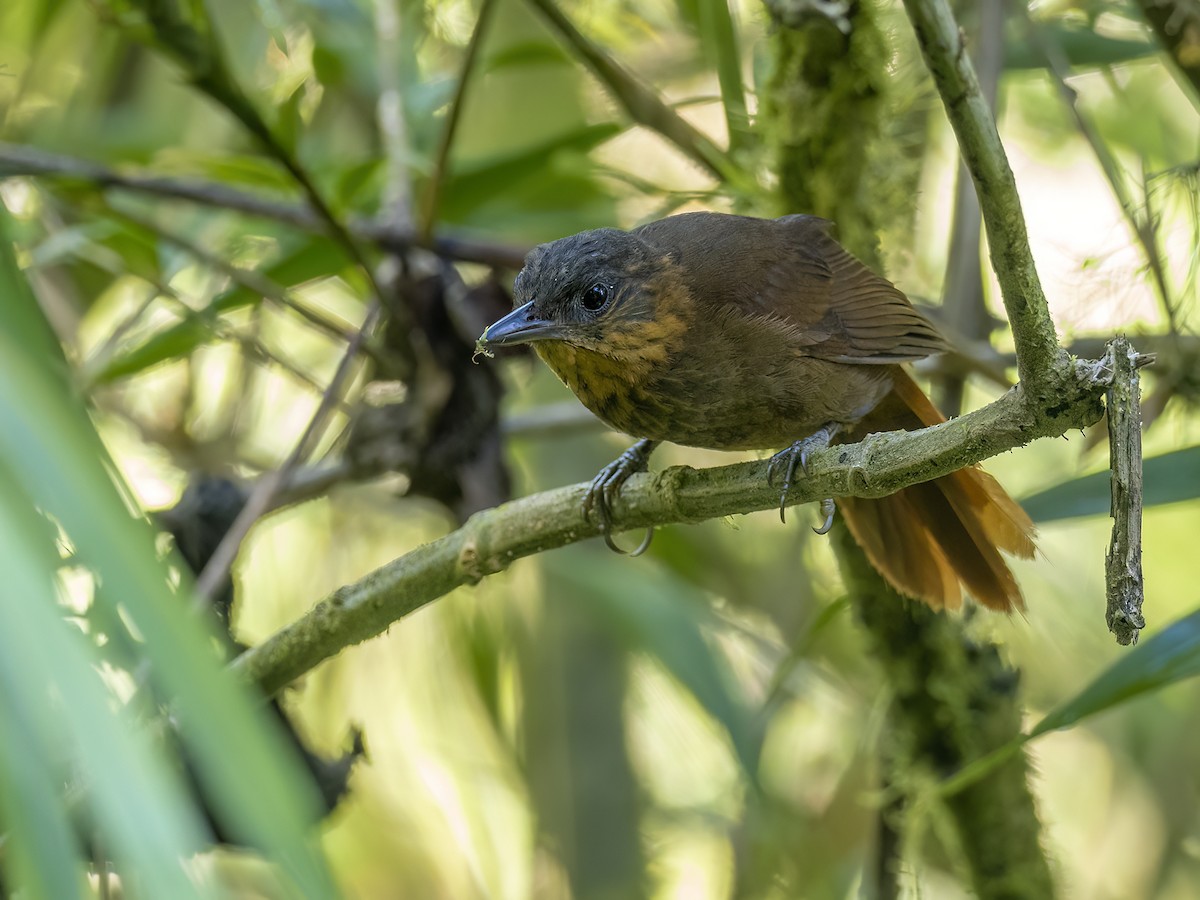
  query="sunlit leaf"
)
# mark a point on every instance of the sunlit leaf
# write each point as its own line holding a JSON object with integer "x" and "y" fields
{"x": 42, "y": 856}
{"x": 52, "y": 460}
{"x": 311, "y": 258}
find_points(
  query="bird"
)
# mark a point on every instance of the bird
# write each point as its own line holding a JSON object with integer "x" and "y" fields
{"x": 732, "y": 332}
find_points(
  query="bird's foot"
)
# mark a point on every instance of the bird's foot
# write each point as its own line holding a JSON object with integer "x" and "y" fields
{"x": 797, "y": 456}
{"x": 605, "y": 487}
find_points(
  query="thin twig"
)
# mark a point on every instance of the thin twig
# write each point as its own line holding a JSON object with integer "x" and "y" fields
{"x": 396, "y": 196}
{"x": 962, "y": 292}
{"x": 1142, "y": 226}
{"x": 265, "y": 490}
{"x": 639, "y": 102}
{"x": 441, "y": 161}
{"x": 248, "y": 278}
{"x": 1176, "y": 23}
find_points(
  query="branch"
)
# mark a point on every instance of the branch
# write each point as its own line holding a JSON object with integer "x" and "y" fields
{"x": 491, "y": 540}
{"x": 1123, "y": 562}
{"x": 1028, "y": 313}
{"x": 962, "y": 288}
{"x": 17, "y": 160}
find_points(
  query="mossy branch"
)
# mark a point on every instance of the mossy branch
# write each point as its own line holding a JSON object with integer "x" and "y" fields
{"x": 941, "y": 43}
{"x": 493, "y": 539}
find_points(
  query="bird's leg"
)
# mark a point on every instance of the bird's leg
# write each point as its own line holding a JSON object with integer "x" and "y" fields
{"x": 607, "y": 485}
{"x": 798, "y": 455}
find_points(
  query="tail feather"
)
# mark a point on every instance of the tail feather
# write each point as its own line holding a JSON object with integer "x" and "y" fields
{"x": 932, "y": 539}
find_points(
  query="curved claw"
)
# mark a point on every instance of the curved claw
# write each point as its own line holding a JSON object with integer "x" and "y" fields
{"x": 637, "y": 551}
{"x": 795, "y": 456}
{"x": 827, "y": 510}
{"x": 605, "y": 487}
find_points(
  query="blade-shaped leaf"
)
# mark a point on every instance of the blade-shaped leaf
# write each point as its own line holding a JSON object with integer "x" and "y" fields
{"x": 718, "y": 41}
{"x": 42, "y": 855}
{"x": 1171, "y": 655}
{"x": 1083, "y": 47}
{"x": 49, "y": 448}
{"x": 1168, "y": 478}
{"x": 140, "y": 807}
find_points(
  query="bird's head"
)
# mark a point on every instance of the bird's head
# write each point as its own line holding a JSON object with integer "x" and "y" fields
{"x": 602, "y": 291}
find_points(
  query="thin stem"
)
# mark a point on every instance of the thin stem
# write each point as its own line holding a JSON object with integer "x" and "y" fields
{"x": 1142, "y": 226}
{"x": 262, "y": 498}
{"x": 640, "y": 103}
{"x": 441, "y": 162}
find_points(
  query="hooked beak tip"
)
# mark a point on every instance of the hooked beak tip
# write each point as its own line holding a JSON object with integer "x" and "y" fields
{"x": 521, "y": 326}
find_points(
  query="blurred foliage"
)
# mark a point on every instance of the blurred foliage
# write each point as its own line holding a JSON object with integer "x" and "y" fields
{"x": 702, "y": 722}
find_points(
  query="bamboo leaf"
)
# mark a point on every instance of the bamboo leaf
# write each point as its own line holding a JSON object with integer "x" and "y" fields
{"x": 1169, "y": 478}
{"x": 52, "y": 460}
{"x": 1170, "y": 656}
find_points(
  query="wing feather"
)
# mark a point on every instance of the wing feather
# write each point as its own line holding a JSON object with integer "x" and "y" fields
{"x": 791, "y": 269}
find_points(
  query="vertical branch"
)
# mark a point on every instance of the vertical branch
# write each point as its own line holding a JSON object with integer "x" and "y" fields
{"x": 823, "y": 104}
{"x": 1123, "y": 562}
{"x": 395, "y": 201}
{"x": 1028, "y": 313}
{"x": 962, "y": 293}
{"x": 952, "y": 700}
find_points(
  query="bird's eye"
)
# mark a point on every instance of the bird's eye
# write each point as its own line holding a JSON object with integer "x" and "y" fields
{"x": 595, "y": 297}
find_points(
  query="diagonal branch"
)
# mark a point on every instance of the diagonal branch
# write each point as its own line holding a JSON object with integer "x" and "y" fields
{"x": 1028, "y": 313}
{"x": 491, "y": 540}
{"x": 641, "y": 104}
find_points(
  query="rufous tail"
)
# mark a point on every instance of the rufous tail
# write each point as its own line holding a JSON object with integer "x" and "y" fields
{"x": 935, "y": 539}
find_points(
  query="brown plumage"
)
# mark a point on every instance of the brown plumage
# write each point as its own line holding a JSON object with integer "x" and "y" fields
{"x": 737, "y": 333}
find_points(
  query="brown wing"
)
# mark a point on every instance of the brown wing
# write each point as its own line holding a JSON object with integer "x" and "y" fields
{"x": 792, "y": 269}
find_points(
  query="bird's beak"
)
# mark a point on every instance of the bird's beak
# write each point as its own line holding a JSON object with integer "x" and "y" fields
{"x": 520, "y": 326}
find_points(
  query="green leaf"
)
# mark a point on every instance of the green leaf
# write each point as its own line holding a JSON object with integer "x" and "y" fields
{"x": 1081, "y": 45}
{"x": 42, "y": 855}
{"x": 1171, "y": 655}
{"x": 1168, "y": 478}
{"x": 718, "y": 42}
{"x": 52, "y": 460}
{"x": 288, "y": 121}
{"x": 532, "y": 52}
{"x": 311, "y": 258}
{"x": 660, "y": 615}
{"x": 473, "y": 184}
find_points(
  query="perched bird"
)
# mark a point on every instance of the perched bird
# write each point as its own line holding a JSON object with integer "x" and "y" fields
{"x": 736, "y": 333}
